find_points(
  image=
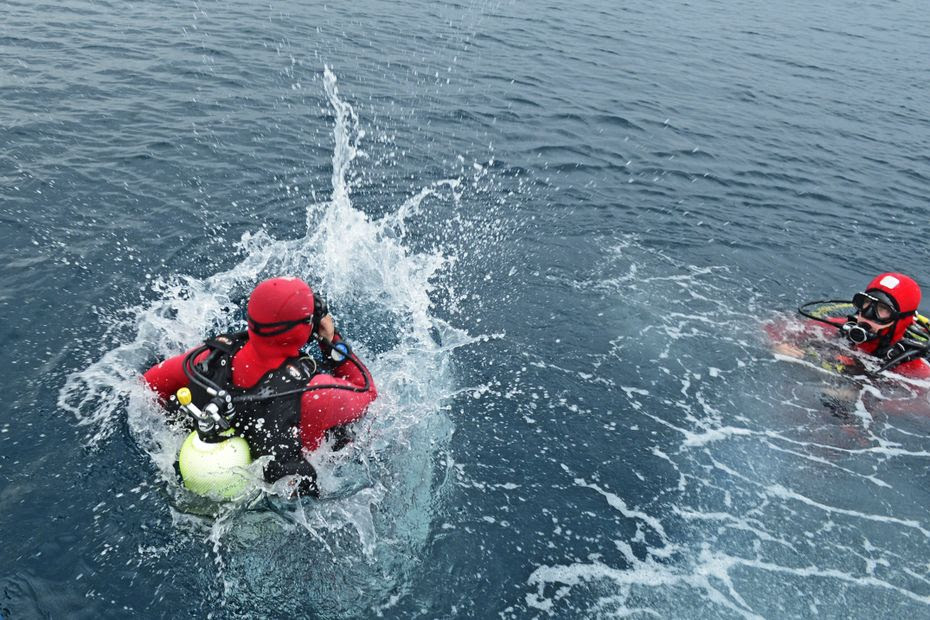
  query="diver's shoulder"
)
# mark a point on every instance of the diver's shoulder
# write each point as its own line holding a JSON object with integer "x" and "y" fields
{"x": 916, "y": 369}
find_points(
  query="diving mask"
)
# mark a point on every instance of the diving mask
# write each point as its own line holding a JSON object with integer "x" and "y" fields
{"x": 875, "y": 306}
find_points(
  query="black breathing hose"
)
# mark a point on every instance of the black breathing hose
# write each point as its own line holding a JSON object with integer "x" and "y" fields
{"x": 195, "y": 376}
{"x": 805, "y": 313}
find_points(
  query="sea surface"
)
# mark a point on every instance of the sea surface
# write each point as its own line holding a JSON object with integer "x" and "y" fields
{"x": 555, "y": 231}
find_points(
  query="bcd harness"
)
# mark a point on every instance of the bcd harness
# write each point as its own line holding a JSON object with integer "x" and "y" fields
{"x": 266, "y": 415}
{"x": 269, "y": 426}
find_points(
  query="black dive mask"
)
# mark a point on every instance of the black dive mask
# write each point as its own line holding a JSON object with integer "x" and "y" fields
{"x": 276, "y": 329}
{"x": 877, "y": 306}
{"x": 320, "y": 310}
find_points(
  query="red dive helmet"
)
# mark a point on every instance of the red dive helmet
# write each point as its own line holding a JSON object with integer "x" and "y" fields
{"x": 905, "y": 295}
{"x": 280, "y": 313}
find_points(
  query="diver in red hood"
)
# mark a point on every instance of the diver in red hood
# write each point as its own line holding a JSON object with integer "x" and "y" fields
{"x": 881, "y": 325}
{"x": 884, "y": 312}
{"x": 282, "y": 401}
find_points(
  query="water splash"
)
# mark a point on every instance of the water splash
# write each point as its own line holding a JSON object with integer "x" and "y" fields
{"x": 386, "y": 483}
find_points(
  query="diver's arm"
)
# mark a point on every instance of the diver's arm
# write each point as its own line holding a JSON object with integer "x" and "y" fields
{"x": 794, "y": 340}
{"x": 323, "y": 409}
{"x": 916, "y": 400}
{"x": 352, "y": 390}
{"x": 168, "y": 377}
{"x": 788, "y": 349}
{"x": 914, "y": 369}
{"x": 351, "y": 369}
{"x": 355, "y": 372}
{"x": 914, "y": 404}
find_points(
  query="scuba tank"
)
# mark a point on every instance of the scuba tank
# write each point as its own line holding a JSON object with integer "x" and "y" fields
{"x": 212, "y": 460}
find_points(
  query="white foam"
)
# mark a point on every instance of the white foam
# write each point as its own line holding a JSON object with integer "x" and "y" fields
{"x": 386, "y": 479}
{"x": 615, "y": 502}
{"x": 779, "y": 491}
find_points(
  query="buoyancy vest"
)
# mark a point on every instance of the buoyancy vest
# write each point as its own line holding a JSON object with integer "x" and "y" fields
{"x": 271, "y": 426}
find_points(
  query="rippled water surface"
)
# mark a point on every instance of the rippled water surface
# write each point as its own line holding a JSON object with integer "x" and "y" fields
{"x": 554, "y": 230}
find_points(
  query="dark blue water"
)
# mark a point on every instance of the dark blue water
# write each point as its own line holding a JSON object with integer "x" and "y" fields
{"x": 553, "y": 230}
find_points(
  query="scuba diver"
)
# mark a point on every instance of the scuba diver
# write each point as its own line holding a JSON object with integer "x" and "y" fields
{"x": 881, "y": 321}
{"x": 259, "y": 386}
{"x": 883, "y": 324}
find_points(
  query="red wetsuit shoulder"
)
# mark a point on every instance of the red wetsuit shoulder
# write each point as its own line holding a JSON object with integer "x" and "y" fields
{"x": 320, "y": 409}
{"x": 914, "y": 369}
{"x": 168, "y": 377}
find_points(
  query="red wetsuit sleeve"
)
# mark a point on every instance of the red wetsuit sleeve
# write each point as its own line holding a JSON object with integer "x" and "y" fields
{"x": 168, "y": 377}
{"x": 914, "y": 369}
{"x": 324, "y": 408}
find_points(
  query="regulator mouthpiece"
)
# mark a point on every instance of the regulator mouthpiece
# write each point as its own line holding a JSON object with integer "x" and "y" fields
{"x": 857, "y": 333}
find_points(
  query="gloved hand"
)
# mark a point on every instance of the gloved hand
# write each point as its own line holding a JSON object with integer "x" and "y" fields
{"x": 320, "y": 310}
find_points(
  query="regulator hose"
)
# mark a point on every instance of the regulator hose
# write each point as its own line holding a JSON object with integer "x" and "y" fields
{"x": 194, "y": 375}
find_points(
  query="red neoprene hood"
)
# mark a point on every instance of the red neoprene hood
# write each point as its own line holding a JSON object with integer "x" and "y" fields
{"x": 904, "y": 291}
{"x": 278, "y": 300}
